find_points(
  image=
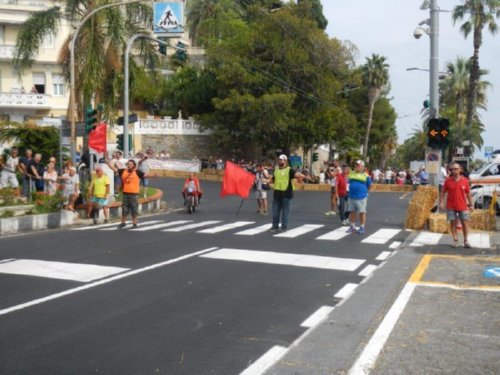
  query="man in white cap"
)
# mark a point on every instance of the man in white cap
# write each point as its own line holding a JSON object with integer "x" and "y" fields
{"x": 283, "y": 192}
{"x": 359, "y": 185}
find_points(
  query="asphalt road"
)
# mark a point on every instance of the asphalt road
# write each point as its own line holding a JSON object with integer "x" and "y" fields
{"x": 179, "y": 301}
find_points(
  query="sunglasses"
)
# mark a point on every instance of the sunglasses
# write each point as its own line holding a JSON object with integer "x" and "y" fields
{"x": 454, "y": 169}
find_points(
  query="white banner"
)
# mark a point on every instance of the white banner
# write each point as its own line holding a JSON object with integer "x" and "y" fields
{"x": 168, "y": 127}
{"x": 175, "y": 165}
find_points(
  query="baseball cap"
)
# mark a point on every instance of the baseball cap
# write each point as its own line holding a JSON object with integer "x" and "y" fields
{"x": 283, "y": 157}
{"x": 360, "y": 162}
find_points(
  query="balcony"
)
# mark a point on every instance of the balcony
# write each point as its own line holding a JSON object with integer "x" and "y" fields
{"x": 24, "y": 100}
{"x": 6, "y": 52}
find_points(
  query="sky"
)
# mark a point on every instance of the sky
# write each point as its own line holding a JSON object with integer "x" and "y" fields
{"x": 386, "y": 27}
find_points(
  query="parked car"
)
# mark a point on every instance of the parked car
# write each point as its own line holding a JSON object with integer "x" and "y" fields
{"x": 488, "y": 171}
{"x": 482, "y": 196}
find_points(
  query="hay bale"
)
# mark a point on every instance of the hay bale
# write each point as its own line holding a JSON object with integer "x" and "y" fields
{"x": 438, "y": 223}
{"x": 420, "y": 206}
{"x": 482, "y": 220}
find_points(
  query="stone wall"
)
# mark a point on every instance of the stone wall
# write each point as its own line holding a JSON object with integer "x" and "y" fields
{"x": 178, "y": 146}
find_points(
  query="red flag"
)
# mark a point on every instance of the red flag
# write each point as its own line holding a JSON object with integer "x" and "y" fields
{"x": 236, "y": 181}
{"x": 97, "y": 138}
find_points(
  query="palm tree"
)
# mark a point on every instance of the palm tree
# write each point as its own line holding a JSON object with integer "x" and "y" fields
{"x": 99, "y": 46}
{"x": 481, "y": 13}
{"x": 376, "y": 78}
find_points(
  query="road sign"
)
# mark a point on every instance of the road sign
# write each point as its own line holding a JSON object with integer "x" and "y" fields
{"x": 488, "y": 152}
{"x": 131, "y": 119}
{"x": 66, "y": 129}
{"x": 492, "y": 272}
{"x": 295, "y": 161}
{"x": 168, "y": 17}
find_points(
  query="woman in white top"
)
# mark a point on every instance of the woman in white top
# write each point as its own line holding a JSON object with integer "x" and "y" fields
{"x": 50, "y": 178}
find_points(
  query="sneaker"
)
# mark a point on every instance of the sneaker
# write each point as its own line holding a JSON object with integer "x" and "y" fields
{"x": 134, "y": 226}
{"x": 351, "y": 230}
{"x": 95, "y": 221}
{"x": 284, "y": 229}
{"x": 361, "y": 230}
{"x": 273, "y": 230}
{"x": 333, "y": 213}
{"x": 328, "y": 213}
{"x": 344, "y": 223}
{"x": 106, "y": 221}
{"x": 121, "y": 225}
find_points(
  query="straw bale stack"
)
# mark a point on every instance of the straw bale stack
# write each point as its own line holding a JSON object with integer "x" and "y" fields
{"x": 479, "y": 220}
{"x": 420, "y": 207}
{"x": 438, "y": 223}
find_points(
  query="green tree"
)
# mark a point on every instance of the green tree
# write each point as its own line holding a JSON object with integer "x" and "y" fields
{"x": 481, "y": 14}
{"x": 376, "y": 78}
{"x": 314, "y": 10}
{"x": 41, "y": 139}
{"x": 99, "y": 46}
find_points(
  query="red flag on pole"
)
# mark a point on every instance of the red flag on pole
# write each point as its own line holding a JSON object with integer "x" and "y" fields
{"x": 237, "y": 181}
{"x": 97, "y": 138}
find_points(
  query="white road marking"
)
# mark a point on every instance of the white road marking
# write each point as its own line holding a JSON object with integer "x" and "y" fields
{"x": 7, "y": 260}
{"x": 346, "y": 291}
{"x": 297, "y": 260}
{"x": 317, "y": 317}
{"x": 162, "y": 225}
{"x": 368, "y": 270}
{"x": 266, "y": 361}
{"x": 139, "y": 224}
{"x": 99, "y": 226}
{"x": 192, "y": 226}
{"x": 303, "y": 229}
{"x": 394, "y": 245}
{"x": 335, "y": 235}
{"x": 256, "y": 230}
{"x": 479, "y": 240}
{"x": 369, "y": 356}
{"x": 222, "y": 228}
{"x": 383, "y": 255}
{"x": 381, "y": 236}
{"x": 59, "y": 270}
{"x": 102, "y": 282}
{"x": 426, "y": 238}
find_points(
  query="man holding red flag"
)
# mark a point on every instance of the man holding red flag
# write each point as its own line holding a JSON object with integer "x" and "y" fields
{"x": 283, "y": 193}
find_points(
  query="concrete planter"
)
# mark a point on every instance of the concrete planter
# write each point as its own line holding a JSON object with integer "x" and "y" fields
{"x": 18, "y": 210}
{"x": 29, "y": 223}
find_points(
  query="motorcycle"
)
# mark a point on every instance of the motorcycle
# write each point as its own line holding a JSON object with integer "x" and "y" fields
{"x": 191, "y": 198}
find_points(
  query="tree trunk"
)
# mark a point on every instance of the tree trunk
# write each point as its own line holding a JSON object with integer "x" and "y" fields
{"x": 371, "y": 106}
{"x": 473, "y": 78}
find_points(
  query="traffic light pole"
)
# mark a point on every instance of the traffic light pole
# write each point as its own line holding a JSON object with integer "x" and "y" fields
{"x": 126, "y": 100}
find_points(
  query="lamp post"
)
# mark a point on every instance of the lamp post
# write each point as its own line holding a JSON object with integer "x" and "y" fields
{"x": 126, "y": 100}
{"x": 72, "y": 69}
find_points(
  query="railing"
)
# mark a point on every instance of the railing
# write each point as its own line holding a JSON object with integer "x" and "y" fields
{"x": 21, "y": 100}
{"x": 26, "y": 3}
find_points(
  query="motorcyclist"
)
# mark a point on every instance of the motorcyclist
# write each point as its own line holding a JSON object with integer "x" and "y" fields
{"x": 192, "y": 186}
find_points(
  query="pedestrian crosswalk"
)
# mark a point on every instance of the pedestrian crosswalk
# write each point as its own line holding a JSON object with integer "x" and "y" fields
{"x": 380, "y": 236}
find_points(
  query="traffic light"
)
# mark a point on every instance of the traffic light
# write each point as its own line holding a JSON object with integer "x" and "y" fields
{"x": 90, "y": 119}
{"x": 438, "y": 132}
{"x": 119, "y": 141}
{"x": 180, "y": 52}
{"x": 426, "y": 103}
{"x": 315, "y": 156}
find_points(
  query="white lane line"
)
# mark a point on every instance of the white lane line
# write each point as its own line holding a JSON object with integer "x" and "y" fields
{"x": 7, "y": 260}
{"x": 297, "y": 260}
{"x": 266, "y": 361}
{"x": 162, "y": 225}
{"x": 426, "y": 238}
{"x": 99, "y": 226}
{"x": 368, "y": 270}
{"x": 139, "y": 224}
{"x": 479, "y": 240}
{"x": 192, "y": 226}
{"x": 383, "y": 255}
{"x": 256, "y": 230}
{"x": 335, "y": 235}
{"x": 59, "y": 270}
{"x": 222, "y": 228}
{"x": 317, "y": 317}
{"x": 381, "y": 236}
{"x": 303, "y": 229}
{"x": 395, "y": 245}
{"x": 102, "y": 282}
{"x": 346, "y": 291}
{"x": 369, "y": 356}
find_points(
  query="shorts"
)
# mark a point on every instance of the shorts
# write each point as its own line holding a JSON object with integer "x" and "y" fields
{"x": 130, "y": 204}
{"x": 333, "y": 189}
{"x": 357, "y": 205}
{"x": 144, "y": 182}
{"x": 260, "y": 194}
{"x": 100, "y": 201}
{"x": 462, "y": 215}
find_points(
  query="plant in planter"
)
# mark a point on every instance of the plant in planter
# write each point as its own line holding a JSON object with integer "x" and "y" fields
{"x": 47, "y": 203}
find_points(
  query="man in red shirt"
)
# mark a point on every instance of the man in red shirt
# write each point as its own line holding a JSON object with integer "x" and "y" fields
{"x": 458, "y": 202}
{"x": 342, "y": 194}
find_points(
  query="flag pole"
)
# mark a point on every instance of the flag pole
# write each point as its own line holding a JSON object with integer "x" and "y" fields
{"x": 239, "y": 208}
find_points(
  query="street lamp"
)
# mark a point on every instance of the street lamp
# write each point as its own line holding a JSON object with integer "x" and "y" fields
{"x": 442, "y": 75}
{"x": 72, "y": 69}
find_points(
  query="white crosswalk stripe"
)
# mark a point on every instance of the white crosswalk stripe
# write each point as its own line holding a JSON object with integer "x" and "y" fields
{"x": 222, "y": 228}
{"x": 256, "y": 230}
{"x": 139, "y": 224}
{"x": 381, "y": 236}
{"x": 426, "y": 238}
{"x": 162, "y": 225}
{"x": 335, "y": 235}
{"x": 303, "y": 229}
{"x": 479, "y": 240}
{"x": 192, "y": 226}
{"x": 99, "y": 226}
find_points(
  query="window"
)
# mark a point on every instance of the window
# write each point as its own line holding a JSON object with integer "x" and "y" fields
{"x": 58, "y": 84}
{"x": 38, "y": 83}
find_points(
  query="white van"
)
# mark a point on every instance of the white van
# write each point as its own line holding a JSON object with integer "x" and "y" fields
{"x": 488, "y": 171}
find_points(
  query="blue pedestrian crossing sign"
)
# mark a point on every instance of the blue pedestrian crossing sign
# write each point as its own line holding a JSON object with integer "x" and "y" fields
{"x": 492, "y": 272}
{"x": 168, "y": 17}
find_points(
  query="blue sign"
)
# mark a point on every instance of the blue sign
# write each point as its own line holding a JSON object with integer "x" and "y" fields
{"x": 492, "y": 272}
{"x": 168, "y": 17}
{"x": 295, "y": 161}
{"x": 488, "y": 152}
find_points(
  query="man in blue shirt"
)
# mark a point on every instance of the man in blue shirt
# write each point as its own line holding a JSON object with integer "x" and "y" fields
{"x": 359, "y": 184}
